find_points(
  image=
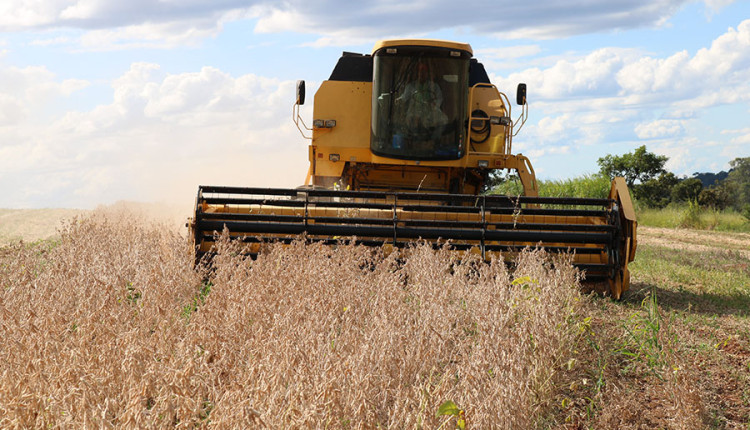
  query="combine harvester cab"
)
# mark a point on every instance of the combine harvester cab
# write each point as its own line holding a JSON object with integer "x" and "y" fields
{"x": 402, "y": 144}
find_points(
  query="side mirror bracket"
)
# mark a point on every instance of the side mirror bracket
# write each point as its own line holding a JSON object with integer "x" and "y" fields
{"x": 295, "y": 110}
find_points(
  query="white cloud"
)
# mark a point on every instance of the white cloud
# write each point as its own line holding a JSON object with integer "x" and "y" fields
{"x": 160, "y": 137}
{"x": 742, "y": 139}
{"x": 623, "y": 98}
{"x": 58, "y": 40}
{"x": 592, "y": 74}
{"x": 27, "y": 91}
{"x": 541, "y": 19}
{"x": 680, "y": 153}
{"x": 150, "y": 35}
{"x": 324, "y": 42}
{"x": 11, "y": 111}
{"x": 19, "y": 14}
{"x": 332, "y": 20}
{"x": 659, "y": 129}
{"x": 513, "y": 57}
{"x": 736, "y": 131}
{"x": 713, "y": 75}
{"x": 613, "y": 94}
{"x": 723, "y": 66}
{"x": 714, "y": 6}
{"x": 507, "y": 52}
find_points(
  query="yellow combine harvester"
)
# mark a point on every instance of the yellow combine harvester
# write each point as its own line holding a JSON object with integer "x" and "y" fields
{"x": 402, "y": 144}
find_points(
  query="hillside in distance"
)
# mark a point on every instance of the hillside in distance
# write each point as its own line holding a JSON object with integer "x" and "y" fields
{"x": 31, "y": 225}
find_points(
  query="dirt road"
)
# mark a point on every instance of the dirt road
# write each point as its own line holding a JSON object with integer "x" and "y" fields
{"x": 695, "y": 240}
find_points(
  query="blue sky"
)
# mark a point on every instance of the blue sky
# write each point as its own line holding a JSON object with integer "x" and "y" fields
{"x": 104, "y": 100}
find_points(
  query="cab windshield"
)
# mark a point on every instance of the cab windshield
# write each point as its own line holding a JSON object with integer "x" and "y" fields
{"x": 419, "y": 103}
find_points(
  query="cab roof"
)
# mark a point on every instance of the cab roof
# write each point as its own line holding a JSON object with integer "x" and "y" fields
{"x": 423, "y": 42}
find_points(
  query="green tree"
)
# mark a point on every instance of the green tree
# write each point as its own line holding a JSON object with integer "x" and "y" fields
{"x": 687, "y": 190}
{"x": 656, "y": 192}
{"x": 719, "y": 196}
{"x": 639, "y": 165}
{"x": 739, "y": 176}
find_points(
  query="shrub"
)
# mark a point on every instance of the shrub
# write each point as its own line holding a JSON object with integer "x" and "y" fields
{"x": 746, "y": 212}
{"x": 656, "y": 192}
{"x": 687, "y": 190}
{"x": 691, "y": 216}
{"x": 718, "y": 197}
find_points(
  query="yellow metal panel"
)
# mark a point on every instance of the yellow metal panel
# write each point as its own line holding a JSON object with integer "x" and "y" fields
{"x": 461, "y": 162}
{"x": 349, "y": 103}
{"x": 325, "y": 167}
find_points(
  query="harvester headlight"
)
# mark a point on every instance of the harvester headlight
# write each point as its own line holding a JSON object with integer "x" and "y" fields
{"x": 500, "y": 120}
{"x": 324, "y": 123}
{"x": 483, "y": 163}
{"x": 334, "y": 157}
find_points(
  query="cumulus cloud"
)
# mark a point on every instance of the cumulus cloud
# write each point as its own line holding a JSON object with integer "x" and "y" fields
{"x": 659, "y": 129}
{"x": 160, "y": 36}
{"x": 633, "y": 97}
{"x": 58, "y": 40}
{"x": 570, "y": 79}
{"x": 508, "y": 19}
{"x": 680, "y": 153}
{"x": 714, "y": 75}
{"x": 28, "y": 90}
{"x": 91, "y": 14}
{"x": 736, "y": 131}
{"x": 508, "y": 57}
{"x": 507, "y": 52}
{"x": 741, "y": 140}
{"x": 126, "y": 22}
{"x": 739, "y": 136}
{"x": 714, "y": 6}
{"x": 161, "y": 136}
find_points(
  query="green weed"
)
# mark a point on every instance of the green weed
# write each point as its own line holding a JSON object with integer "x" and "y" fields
{"x": 592, "y": 186}
{"x": 644, "y": 342}
{"x": 450, "y": 409}
{"x": 198, "y": 300}
{"x": 691, "y": 217}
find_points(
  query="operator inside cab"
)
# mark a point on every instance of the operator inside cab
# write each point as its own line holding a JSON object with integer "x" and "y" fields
{"x": 419, "y": 102}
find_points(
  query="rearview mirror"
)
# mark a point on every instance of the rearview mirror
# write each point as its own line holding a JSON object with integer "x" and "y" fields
{"x": 521, "y": 94}
{"x": 301, "y": 92}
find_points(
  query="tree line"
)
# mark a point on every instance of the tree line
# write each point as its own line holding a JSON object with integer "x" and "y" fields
{"x": 654, "y": 186}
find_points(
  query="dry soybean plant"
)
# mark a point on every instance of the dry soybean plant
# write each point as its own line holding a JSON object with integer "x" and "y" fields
{"x": 112, "y": 327}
